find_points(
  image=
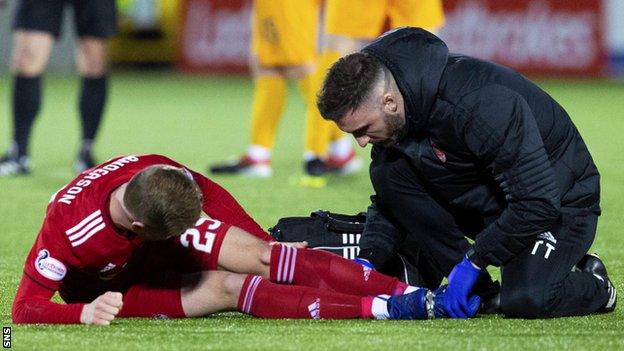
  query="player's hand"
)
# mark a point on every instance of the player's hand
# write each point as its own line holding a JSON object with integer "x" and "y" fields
{"x": 103, "y": 309}
{"x": 460, "y": 282}
{"x": 296, "y": 245}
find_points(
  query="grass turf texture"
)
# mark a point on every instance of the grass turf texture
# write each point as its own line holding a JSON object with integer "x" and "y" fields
{"x": 201, "y": 120}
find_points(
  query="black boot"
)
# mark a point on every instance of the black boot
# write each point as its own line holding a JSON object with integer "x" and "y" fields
{"x": 591, "y": 263}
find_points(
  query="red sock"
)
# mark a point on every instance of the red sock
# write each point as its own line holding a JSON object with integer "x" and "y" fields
{"x": 324, "y": 270}
{"x": 261, "y": 298}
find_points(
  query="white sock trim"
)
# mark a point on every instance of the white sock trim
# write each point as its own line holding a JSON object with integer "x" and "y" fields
{"x": 259, "y": 153}
{"x": 341, "y": 148}
{"x": 379, "y": 307}
{"x": 410, "y": 289}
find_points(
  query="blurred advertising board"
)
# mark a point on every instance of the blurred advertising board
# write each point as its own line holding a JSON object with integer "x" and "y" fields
{"x": 215, "y": 35}
{"x": 545, "y": 37}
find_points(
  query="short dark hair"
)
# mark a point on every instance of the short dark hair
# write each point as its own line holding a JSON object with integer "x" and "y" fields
{"x": 348, "y": 82}
{"x": 165, "y": 200}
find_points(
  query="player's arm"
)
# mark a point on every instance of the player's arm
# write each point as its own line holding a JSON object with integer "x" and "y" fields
{"x": 32, "y": 305}
{"x": 44, "y": 270}
{"x": 220, "y": 204}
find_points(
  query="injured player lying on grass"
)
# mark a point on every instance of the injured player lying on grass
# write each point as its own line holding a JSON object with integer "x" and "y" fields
{"x": 127, "y": 239}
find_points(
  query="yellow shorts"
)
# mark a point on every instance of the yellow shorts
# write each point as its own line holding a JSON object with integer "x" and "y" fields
{"x": 284, "y": 33}
{"x": 365, "y": 19}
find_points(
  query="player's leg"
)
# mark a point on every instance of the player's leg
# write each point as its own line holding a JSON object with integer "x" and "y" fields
{"x": 269, "y": 98}
{"x": 315, "y": 152}
{"x": 343, "y": 34}
{"x": 540, "y": 283}
{"x": 209, "y": 292}
{"x": 204, "y": 247}
{"x": 205, "y": 293}
{"x": 36, "y": 25}
{"x": 270, "y": 89}
{"x": 202, "y": 250}
{"x": 298, "y": 266}
{"x": 95, "y": 23}
{"x": 324, "y": 137}
{"x": 342, "y": 158}
{"x": 271, "y": 50}
{"x": 426, "y": 14}
{"x": 298, "y": 30}
{"x": 91, "y": 65}
{"x": 324, "y": 152}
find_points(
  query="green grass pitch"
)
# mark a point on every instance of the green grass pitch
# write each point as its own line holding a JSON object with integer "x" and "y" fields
{"x": 200, "y": 120}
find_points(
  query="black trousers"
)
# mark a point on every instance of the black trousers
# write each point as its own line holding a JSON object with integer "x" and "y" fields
{"x": 537, "y": 283}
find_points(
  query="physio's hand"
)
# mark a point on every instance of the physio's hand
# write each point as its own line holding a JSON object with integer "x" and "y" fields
{"x": 296, "y": 245}
{"x": 441, "y": 306}
{"x": 460, "y": 283}
{"x": 363, "y": 262}
{"x": 103, "y": 309}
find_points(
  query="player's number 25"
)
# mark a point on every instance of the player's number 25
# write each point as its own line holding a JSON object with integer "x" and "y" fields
{"x": 201, "y": 242}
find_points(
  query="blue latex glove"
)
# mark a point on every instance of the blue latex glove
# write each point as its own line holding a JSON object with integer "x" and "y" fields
{"x": 440, "y": 306}
{"x": 363, "y": 262}
{"x": 460, "y": 283}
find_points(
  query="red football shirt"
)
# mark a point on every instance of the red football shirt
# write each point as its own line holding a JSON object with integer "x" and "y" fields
{"x": 78, "y": 233}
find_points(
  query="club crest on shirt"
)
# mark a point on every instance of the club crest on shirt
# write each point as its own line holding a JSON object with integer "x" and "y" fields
{"x": 439, "y": 154}
{"x": 49, "y": 266}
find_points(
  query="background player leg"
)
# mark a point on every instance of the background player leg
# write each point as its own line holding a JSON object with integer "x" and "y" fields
{"x": 320, "y": 133}
{"x": 31, "y": 50}
{"x": 92, "y": 67}
{"x": 267, "y": 107}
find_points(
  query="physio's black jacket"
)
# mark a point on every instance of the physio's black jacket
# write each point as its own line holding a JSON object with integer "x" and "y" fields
{"x": 485, "y": 140}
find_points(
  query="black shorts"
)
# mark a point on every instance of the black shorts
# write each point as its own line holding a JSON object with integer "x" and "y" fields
{"x": 92, "y": 18}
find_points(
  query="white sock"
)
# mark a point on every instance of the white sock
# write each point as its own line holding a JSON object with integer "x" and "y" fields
{"x": 410, "y": 289}
{"x": 341, "y": 148}
{"x": 379, "y": 308}
{"x": 259, "y": 153}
